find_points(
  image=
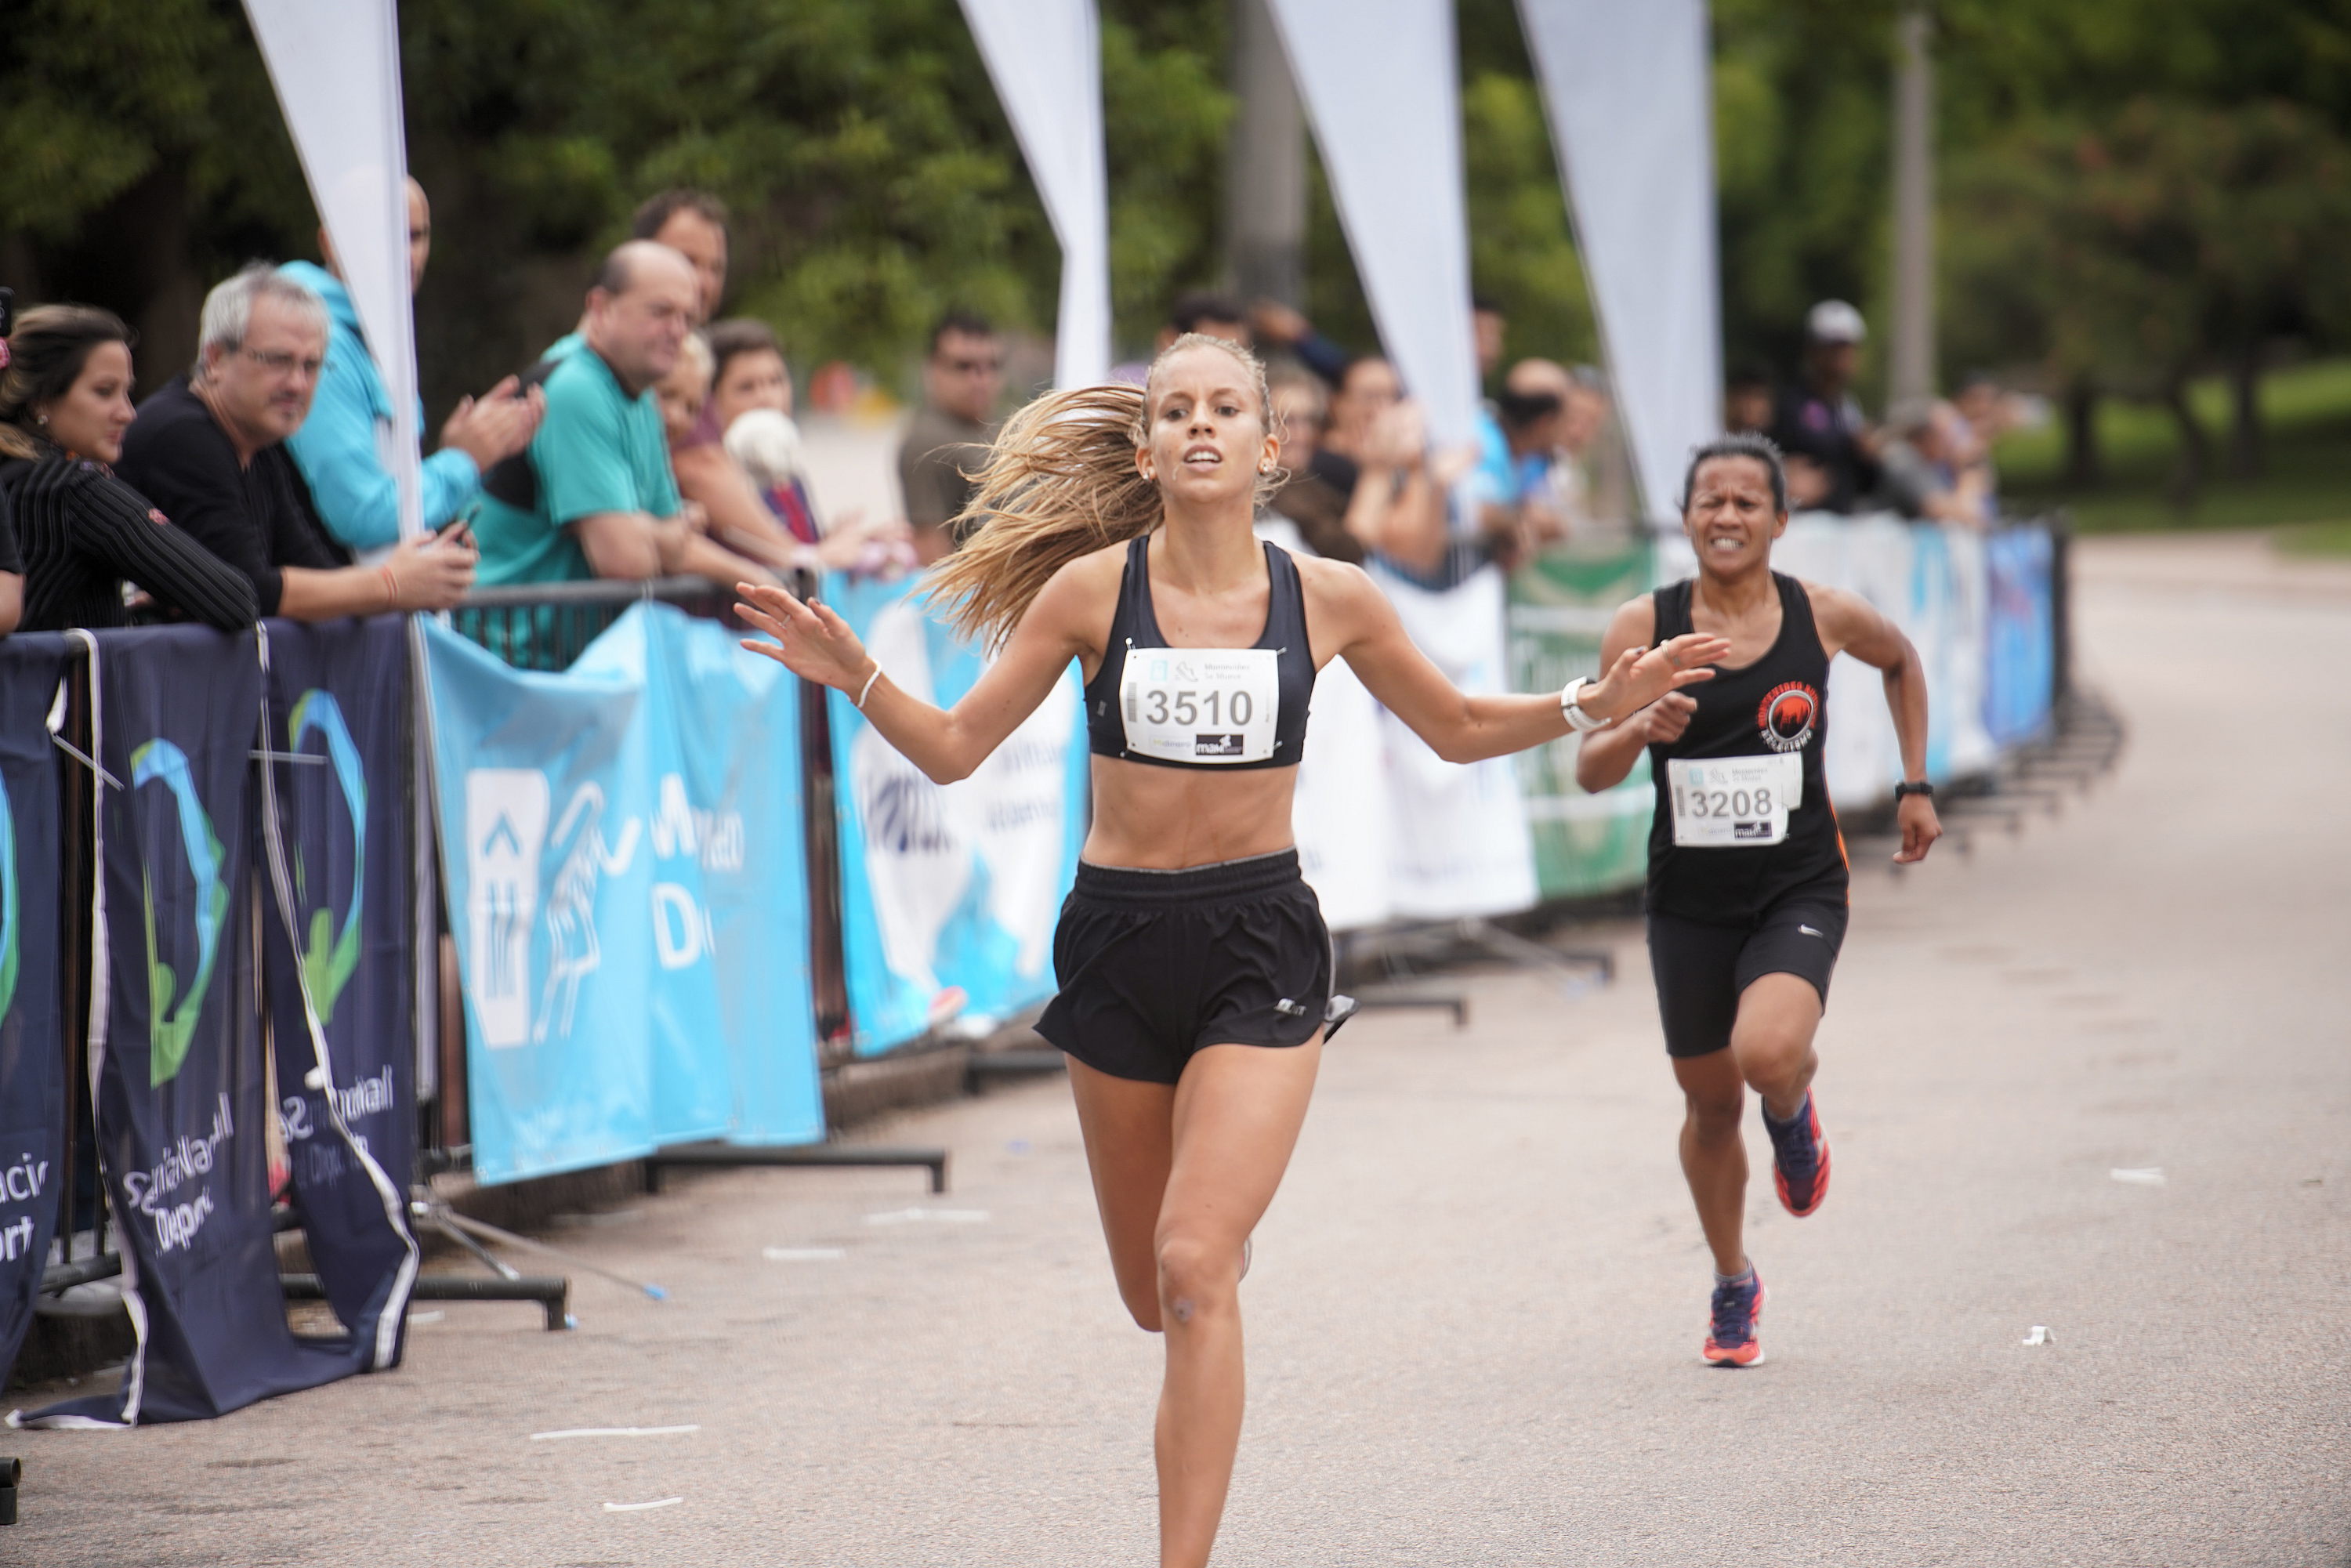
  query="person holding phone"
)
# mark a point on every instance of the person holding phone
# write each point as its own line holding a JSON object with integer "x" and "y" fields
{"x": 1747, "y": 868}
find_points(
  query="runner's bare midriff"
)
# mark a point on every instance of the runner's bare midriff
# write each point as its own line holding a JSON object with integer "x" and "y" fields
{"x": 1168, "y": 819}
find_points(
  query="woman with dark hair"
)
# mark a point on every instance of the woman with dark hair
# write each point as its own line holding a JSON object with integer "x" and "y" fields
{"x": 1113, "y": 526}
{"x": 64, "y": 401}
{"x": 1747, "y": 869}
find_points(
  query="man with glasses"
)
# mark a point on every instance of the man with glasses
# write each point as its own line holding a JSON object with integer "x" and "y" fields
{"x": 209, "y": 451}
{"x": 961, "y": 382}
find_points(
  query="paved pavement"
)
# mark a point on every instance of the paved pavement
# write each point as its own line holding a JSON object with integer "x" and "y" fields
{"x": 1476, "y": 1306}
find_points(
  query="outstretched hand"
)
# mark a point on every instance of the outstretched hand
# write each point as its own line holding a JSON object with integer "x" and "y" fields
{"x": 1641, "y": 675}
{"x": 810, "y": 641}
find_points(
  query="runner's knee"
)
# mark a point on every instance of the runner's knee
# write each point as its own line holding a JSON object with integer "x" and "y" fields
{"x": 1198, "y": 1273}
{"x": 1713, "y": 1116}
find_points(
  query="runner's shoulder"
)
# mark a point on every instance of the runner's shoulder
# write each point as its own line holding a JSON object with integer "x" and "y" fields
{"x": 1336, "y": 585}
{"x": 1838, "y": 612}
{"x": 1634, "y": 624}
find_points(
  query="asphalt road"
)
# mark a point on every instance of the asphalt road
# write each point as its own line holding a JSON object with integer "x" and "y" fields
{"x": 1476, "y": 1306}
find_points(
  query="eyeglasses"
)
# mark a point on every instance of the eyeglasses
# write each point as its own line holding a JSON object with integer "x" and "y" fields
{"x": 279, "y": 364}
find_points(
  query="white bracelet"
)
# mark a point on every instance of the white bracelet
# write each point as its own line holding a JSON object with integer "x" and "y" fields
{"x": 1572, "y": 710}
{"x": 868, "y": 688}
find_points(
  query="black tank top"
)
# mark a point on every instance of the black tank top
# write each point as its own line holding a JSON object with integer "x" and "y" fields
{"x": 1775, "y": 706}
{"x": 1203, "y": 707}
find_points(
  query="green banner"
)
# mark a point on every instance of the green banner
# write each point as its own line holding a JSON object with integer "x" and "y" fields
{"x": 1560, "y": 606}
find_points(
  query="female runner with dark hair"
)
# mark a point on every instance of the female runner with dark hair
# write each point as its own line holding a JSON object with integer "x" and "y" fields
{"x": 1112, "y": 525}
{"x": 1747, "y": 869}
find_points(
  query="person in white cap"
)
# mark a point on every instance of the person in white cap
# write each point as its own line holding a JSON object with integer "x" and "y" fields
{"x": 1817, "y": 424}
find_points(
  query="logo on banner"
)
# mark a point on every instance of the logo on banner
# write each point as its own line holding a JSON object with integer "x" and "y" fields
{"x": 505, "y": 831}
{"x": 332, "y": 956}
{"x": 172, "y": 1012}
{"x": 1786, "y": 716}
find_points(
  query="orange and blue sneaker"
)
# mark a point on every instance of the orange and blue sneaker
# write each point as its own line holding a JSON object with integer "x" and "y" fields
{"x": 1800, "y": 1158}
{"x": 1738, "y": 1307}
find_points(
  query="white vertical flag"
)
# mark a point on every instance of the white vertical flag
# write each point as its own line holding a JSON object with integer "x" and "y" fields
{"x": 1045, "y": 58}
{"x": 336, "y": 66}
{"x": 1628, "y": 86}
{"x": 1383, "y": 87}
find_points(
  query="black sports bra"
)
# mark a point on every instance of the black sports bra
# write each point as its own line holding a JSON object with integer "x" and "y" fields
{"x": 1203, "y": 707}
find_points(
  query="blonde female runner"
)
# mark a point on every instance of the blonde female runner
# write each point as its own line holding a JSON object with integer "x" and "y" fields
{"x": 1113, "y": 526}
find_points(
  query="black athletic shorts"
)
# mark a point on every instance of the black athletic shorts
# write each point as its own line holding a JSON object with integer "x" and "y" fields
{"x": 1701, "y": 970}
{"x": 1155, "y": 965}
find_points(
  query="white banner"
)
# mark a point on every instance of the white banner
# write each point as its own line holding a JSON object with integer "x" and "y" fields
{"x": 1628, "y": 84}
{"x": 1045, "y": 58}
{"x": 336, "y": 71}
{"x": 1383, "y": 87}
{"x": 1461, "y": 839}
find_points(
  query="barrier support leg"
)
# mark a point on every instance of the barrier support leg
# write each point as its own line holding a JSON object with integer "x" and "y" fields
{"x": 552, "y": 1292}
{"x": 730, "y": 1154}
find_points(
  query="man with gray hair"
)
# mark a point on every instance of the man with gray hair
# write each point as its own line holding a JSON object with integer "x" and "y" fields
{"x": 209, "y": 451}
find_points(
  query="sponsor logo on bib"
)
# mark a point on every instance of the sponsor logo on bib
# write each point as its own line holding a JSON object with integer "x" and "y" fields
{"x": 1787, "y": 714}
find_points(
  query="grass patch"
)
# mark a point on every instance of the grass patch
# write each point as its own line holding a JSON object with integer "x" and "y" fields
{"x": 2307, "y": 413}
{"x": 2315, "y": 540}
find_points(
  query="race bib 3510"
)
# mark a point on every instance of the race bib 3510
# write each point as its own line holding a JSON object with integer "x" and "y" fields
{"x": 1201, "y": 704}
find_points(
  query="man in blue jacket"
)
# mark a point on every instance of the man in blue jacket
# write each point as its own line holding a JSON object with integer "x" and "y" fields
{"x": 340, "y": 447}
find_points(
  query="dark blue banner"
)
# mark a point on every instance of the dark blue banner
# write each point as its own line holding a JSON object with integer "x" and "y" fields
{"x": 175, "y": 1039}
{"x": 33, "y": 1064}
{"x": 337, "y": 958}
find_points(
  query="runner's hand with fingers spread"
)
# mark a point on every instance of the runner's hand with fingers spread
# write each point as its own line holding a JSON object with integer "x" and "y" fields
{"x": 1920, "y": 829}
{"x": 810, "y": 641}
{"x": 1641, "y": 675}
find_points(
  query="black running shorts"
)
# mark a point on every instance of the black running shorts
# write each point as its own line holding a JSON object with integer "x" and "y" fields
{"x": 1701, "y": 970}
{"x": 1155, "y": 965}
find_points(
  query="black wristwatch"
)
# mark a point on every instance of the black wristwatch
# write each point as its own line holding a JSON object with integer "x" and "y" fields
{"x": 1906, "y": 788}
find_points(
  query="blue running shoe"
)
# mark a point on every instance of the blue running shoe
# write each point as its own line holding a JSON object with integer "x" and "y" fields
{"x": 1731, "y": 1338}
{"x": 1800, "y": 1158}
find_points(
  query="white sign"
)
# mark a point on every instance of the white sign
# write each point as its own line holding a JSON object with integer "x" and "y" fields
{"x": 1379, "y": 80}
{"x": 337, "y": 70}
{"x": 1045, "y": 58}
{"x": 1628, "y": 84}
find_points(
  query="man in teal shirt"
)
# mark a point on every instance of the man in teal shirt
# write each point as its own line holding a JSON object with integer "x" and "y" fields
{"x": 340, "y": 448}
{"x": 593, "y": 495}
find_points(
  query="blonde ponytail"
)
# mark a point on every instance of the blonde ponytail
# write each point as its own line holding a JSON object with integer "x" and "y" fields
{"x": 1059, "y": 481}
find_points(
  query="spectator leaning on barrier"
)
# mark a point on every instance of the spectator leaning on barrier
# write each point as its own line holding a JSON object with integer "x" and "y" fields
{"x": 593, "y": 496}
{"x": 209, "y": 451}
{"x": 751, "y": 405}
{"x": 1926, "y": 464}
{"x": 1816, "y": 423}
{"x": 708, "y": 476}
{"x": 340, "y": 447}
{"x": 961, "y": 382}
{"x": 64, "y": 401}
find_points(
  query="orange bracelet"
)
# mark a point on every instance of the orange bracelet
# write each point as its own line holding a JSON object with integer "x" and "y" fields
{"x": 390, "y": 588}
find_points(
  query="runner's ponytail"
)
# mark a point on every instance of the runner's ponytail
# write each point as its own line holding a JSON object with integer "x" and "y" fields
{"x": 1059, "y": 483}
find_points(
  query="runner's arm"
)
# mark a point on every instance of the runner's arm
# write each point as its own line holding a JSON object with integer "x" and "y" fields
{"x": 814, "y": 642}
{"x": 1463, "y": 729}
{"x": 1608, "y": 754}
{"x": 1851, "y": 624}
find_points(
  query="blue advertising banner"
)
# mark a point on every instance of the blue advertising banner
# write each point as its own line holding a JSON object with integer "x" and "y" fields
{"x": 32, "y": 1034}
{"x": 731, "y": 811}
{"x": 175, "y": 1046}
{"x": 2021, "y": 669}
{"x": 622, "y": 848}
{"x": 337, "y": 957}
{"x": 949, "y": 894}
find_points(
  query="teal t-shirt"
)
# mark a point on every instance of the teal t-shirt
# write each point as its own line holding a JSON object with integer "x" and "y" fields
{"x": 598, "y": 450}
